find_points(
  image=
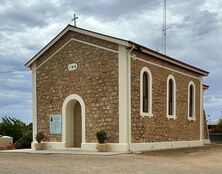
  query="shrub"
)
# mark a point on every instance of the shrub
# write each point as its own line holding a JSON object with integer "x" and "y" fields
{"x": 18, "y": 130}
{"x": 101, "y": 136}
{"x": 12, "y": 127}
{"x": 25, "y": 140}
{"x": 39, "y": 137}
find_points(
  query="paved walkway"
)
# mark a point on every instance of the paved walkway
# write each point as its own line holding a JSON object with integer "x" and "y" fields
{"x": 65, "y": 151}
{"x": 204, "y": 160}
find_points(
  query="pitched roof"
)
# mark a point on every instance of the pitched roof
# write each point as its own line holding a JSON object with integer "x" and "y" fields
{"x": 120, "y": 41}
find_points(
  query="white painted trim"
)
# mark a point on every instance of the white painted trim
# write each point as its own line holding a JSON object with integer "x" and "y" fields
{"x": 47, "y": 47}
{"x": 206, "y": 141}
{"x": 88, "y": 146}
{"x": 73, "y": 97}
{"x": 100, "y": 36}
{"x": 51, "y": 145}
{"x": 173, "y": 116}
{"x": 89, "y": 33}
{"x": 112, "y": 147}
{"x": 194, "y": 102}
{"x": 83, "y": 42}
{"x": 201, "y": 110}
{"x": 176, "y": 63}
{"x": 144, "y": 114}
{"x": 34, "y": 102}
{"x": 129, "y": 94}
{"x": 164, "y": 145}
{"x": 149, "y": 113}
{"x": 151, "y": 63}
{"x": 123, "y": 102}
{"x": 54, "y": 145}
{"x": 110, "y": 39}
{"x": 135, "y": 147}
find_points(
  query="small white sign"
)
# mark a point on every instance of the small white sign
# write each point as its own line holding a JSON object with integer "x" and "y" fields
{"x": 55, "y": 124}
{"x": 72, "y": 67}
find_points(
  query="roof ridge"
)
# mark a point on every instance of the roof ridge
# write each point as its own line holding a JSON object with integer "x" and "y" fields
{"x": 124, "y": 42}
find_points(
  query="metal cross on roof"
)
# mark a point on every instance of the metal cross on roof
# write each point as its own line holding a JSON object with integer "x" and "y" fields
{"x": 74, "y": 19}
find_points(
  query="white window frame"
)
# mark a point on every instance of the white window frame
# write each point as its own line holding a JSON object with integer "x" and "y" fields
{"x": 149, "y": 113}
{"x": 194, "y": 102}
{"x": 173, "y": 116}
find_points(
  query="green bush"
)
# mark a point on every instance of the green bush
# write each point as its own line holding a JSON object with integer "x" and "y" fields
{"x": 39, "y": 137}
{"x": 12, "y": 127}
{"x": 18, "y": 130}
{"x": 25, "y": 141}
{"x": 101, "y": 136}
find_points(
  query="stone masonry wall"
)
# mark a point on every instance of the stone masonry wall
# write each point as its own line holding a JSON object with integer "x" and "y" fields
{"x": 95, "y": 80}
{"x": 159, "y": 128}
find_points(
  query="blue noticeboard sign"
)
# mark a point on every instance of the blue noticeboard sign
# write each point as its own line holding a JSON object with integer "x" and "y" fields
{"x": 55, "y": 124}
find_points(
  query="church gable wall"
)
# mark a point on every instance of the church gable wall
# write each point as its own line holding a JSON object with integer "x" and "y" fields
{"x": 95, "y": 80}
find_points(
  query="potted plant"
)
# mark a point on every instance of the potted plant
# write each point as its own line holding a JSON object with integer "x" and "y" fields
{"x": 101, "y": 146}
{"x": 39, "y": 137}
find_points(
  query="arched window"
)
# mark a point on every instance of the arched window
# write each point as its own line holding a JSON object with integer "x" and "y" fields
{"x": 191, "y": 101}
{"x": 145, "y": 92}
{"x": 171, "y": 97}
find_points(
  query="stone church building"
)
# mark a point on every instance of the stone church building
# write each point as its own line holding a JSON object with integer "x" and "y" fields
{"x": 83, "y": 82}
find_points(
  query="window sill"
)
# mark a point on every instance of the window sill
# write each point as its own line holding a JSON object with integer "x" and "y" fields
{"x": 143, "y": 114}
{"x": 191, "y": 118}
{"x": 174, "y": 117}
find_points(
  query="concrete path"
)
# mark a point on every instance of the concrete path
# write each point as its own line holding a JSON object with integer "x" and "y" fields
{"x": 205, "y": 160}
{"x": 69, "y": 151}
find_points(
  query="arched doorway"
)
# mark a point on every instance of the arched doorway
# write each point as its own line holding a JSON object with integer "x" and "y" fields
{"x": 77, "y": 122}
{"x": 73, "y": 121}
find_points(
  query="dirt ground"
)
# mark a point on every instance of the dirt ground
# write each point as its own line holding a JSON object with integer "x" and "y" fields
{"x": 203, "y": 160}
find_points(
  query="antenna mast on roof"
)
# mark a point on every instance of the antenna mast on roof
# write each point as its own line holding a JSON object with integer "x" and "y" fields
{"x": 164, "y": 29}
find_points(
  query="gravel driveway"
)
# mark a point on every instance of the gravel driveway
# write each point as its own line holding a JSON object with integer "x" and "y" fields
{"x": 195, "y": 160}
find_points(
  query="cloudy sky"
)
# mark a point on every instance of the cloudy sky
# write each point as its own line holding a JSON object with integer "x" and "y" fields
{"x": 194, "y": 36}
